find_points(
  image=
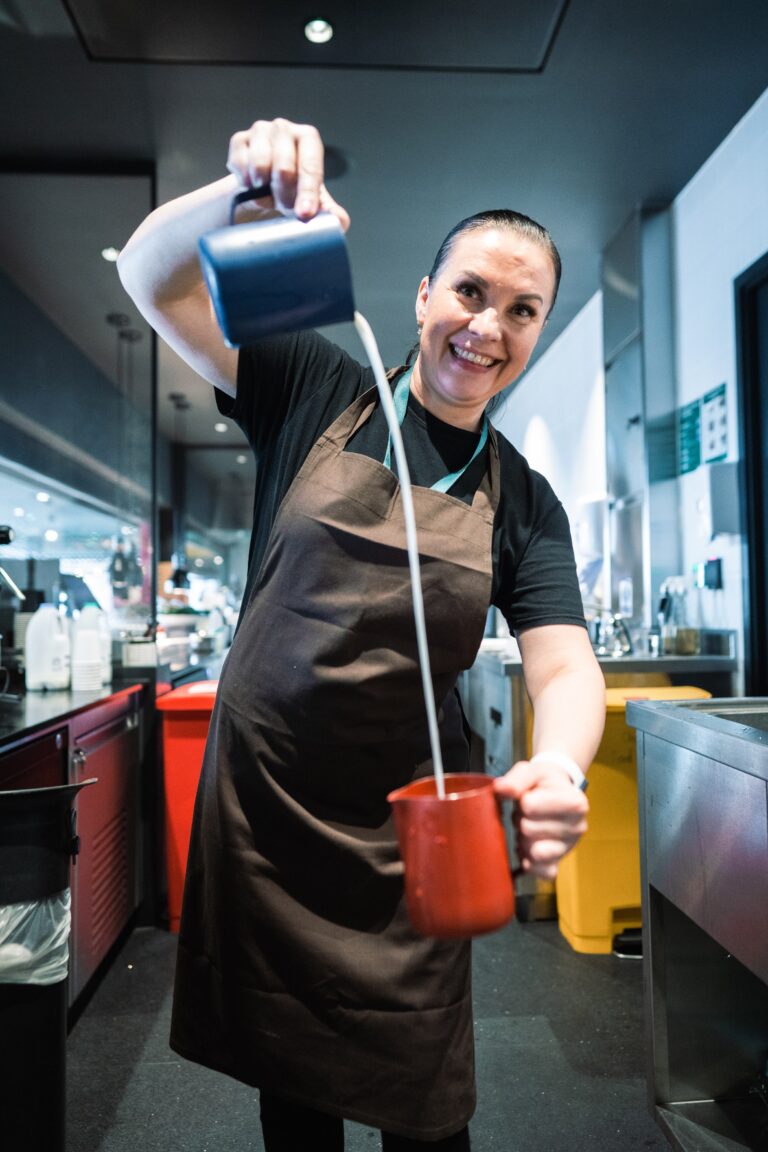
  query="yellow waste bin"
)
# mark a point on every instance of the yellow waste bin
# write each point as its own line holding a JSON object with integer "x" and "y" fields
{"x": 598, "y": 882}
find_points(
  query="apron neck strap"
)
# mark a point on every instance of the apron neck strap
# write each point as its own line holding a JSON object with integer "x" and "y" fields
{"x": 400, "y": 399}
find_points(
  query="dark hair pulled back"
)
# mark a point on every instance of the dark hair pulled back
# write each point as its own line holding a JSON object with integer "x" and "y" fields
{"x": 492, "y": 218}
{"x": 501, "y": 218}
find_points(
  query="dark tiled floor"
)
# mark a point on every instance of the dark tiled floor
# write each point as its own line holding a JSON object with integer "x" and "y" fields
{"x": 559, "y": 1048}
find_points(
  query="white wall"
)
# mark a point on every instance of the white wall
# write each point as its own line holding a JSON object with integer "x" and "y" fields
{"x": 720, "y": 224}
{"x": 556, "y": 414}
{"x": 556, "y": 417}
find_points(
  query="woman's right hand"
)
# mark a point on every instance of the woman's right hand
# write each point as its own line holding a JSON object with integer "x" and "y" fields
{"x": 288, "y": 157}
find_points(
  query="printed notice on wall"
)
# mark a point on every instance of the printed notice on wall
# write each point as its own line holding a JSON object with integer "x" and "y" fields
{"x": 689, "y": 437}
{"x": 714, "y": 426}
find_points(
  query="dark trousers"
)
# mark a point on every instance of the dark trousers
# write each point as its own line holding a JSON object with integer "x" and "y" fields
{"x": 288, "y": 1127}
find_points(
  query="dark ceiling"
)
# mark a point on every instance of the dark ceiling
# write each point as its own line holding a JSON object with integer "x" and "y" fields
{"x": 570, "y": 112}
{"x": 510, "y": 36}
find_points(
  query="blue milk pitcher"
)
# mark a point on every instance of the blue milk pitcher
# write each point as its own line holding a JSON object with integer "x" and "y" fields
{"x": 276, "y": 275}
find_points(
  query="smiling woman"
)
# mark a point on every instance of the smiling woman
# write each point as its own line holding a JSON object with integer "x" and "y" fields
{"x": 481, "y": 313}
{"x": 299, "y": 971}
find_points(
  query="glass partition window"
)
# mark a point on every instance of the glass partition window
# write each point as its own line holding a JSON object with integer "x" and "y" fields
{"x": 66, "y": 550}
{"x": 76, "y": 399}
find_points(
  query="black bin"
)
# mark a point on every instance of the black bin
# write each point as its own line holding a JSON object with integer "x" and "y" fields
{"x": 37, "y": 840}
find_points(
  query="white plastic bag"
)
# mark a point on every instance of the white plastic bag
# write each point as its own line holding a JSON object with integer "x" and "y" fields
{"x": 34, "y": 940}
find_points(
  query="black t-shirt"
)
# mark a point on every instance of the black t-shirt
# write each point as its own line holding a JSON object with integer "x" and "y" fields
{"x": 290, "y": 389}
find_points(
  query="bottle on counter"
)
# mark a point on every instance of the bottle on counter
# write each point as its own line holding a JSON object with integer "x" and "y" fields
{"x": 47, "y": 651}
{"x": 678, "y": 637}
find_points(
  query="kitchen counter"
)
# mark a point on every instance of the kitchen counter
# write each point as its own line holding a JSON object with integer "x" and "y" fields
{"x": 39, "y": 710}
{"x": 500, "y": 661}
{"x": 511, "y": 665}
{"x": 165, "y": 676}
{"x": 496, "y": 702}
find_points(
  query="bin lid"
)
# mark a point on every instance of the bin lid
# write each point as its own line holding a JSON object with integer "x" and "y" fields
{"x": 196, "y": 697}
{"x": 37, "y": 838}
{"x": 616, "y": 698}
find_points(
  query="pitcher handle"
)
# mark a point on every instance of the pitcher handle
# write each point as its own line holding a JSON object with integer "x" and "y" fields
{"x": 257, "y": 193}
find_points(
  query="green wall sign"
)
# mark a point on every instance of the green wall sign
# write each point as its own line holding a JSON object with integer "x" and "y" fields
{"x": 714, "y": 425}
{"x": 689, "y": 437}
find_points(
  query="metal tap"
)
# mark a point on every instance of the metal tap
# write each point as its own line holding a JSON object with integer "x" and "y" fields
{"x": 611, "y": 635}
{"x": 621, "y": 630}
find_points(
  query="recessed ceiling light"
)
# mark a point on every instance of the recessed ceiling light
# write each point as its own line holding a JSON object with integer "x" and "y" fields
{"x": 43, "y": 497}
{"x": 218, "y": 560}
{"x": 318, "y": 31}
{"x": 110, "y": 254}
{"x": 51, "y": 535}
{"x": 18, "y": 511}
{"x": 220, "y": 427}
{"x": 241, "y": 459}
{"x": 199, "y": 563}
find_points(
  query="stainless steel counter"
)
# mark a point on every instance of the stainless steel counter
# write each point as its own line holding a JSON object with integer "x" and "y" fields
{"x": 511, "y": 665}
{"x": 703, "y": 792}
{"x": 496, "y": 704}
{"x": 495, "y": 700}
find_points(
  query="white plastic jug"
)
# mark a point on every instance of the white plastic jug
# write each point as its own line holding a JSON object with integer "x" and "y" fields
{"x": 46, "y": 651}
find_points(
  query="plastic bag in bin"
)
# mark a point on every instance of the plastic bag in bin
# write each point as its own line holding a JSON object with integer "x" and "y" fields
{"x": 34, "y": 940}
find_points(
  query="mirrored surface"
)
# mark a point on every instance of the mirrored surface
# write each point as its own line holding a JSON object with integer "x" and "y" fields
{"x": 210, "y": 515}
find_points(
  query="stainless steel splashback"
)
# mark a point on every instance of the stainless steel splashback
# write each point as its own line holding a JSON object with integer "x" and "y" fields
{"x": 641, "y": 467}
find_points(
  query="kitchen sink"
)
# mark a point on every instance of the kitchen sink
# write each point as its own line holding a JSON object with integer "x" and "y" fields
{"x": 757, "y": 720}
{"x": 749, "y": 713}
{"x": 702, "y": 725}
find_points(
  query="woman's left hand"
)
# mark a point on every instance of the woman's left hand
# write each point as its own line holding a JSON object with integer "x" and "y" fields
{"x": 550, "y": 814}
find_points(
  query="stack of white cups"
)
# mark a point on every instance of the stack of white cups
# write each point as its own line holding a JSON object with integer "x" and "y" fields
{"x": 96, "y": 618}
{"x": 86, "y": 654}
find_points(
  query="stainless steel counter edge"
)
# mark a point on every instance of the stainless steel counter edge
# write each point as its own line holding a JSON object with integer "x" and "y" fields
{"x": 40, "y": 710}
{"x": 206, "y": 667}
{"x": 704, "y": 733}
{"x": 512, "y": 666}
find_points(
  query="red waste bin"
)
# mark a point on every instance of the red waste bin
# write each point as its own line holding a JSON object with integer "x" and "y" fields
{"x": 187, "y": 717}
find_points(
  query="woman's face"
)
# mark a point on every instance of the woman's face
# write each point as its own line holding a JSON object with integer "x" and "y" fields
{"x": 481, "y": 318}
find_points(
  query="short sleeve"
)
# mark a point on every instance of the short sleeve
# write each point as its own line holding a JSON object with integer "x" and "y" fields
{"x": 546, "y": 586}
{"x": 534, "y": 569}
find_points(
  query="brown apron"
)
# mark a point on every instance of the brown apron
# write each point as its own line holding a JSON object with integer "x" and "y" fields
{"x": 298, "y": 971}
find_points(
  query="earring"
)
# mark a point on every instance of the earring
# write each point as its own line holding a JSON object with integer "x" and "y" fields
{"x": 419, "y": 329}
